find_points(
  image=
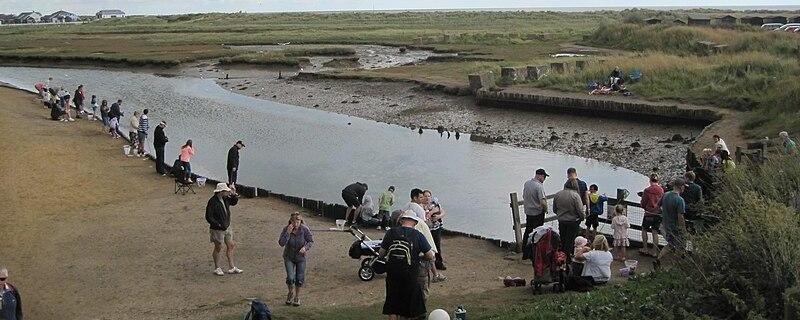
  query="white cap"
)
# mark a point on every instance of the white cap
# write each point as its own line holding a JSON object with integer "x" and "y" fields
{"x": 408, "y": 214}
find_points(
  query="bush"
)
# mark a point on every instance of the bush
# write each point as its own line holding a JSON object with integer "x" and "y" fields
{"x": 747, "y": 262}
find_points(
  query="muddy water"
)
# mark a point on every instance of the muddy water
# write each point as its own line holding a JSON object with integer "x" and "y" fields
{"x": 314, "y": 154}
{"x": 369, "y": 56}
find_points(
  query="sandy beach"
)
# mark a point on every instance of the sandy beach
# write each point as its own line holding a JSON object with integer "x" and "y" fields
{"x": 639, "y": 146}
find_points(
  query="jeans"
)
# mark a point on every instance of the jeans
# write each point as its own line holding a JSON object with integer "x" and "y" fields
{"x": 437, "y": 240}
{"x": 233, "y": 175}
{"x": 160, "y": 159}
{"x": 295, "y": 272}
{"x": 531, "y": 222}
{"x": 187, "y": 169}
{"x": 568, "y": 230}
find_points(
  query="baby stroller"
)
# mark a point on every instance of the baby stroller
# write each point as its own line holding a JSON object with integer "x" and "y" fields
{"x": 549, "y": 262}
{"x": 368, "y": 248}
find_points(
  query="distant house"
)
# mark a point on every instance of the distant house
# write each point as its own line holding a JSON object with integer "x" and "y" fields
{"x": 7, "y": 18}
{"x": 794, "y": 19}
{"x": 105, "y": 14}
{"x": 61, "y": 16}
{"x": 697, "y": 20}
{"x": 679, "y": 22}
{"x": 727, "y": 20}
{"x": 775, "y": 19}
{"x": 29, "y": 17}
{"x": 652, "y": 21}
{"x": 752, "y": 20}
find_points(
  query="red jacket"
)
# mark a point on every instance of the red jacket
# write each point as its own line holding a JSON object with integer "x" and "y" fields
{"x": 651, "y": 197}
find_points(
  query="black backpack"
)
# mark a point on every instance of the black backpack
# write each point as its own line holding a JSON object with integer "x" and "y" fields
{"x": 399, "y": 254}
{"x": 258, "y": 311}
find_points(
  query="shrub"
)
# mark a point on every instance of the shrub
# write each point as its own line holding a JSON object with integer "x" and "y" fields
{"x": 748, "y": 261}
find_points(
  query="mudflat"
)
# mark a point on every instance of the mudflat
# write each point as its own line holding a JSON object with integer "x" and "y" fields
{"x": 89, "y": 233}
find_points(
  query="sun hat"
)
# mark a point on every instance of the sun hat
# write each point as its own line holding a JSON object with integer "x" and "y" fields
{"x": 408, "y": 214}
{"x": 222, "y": 187}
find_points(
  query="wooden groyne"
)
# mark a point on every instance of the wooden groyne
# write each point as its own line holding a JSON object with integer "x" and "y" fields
{"x": 598, "y": 106}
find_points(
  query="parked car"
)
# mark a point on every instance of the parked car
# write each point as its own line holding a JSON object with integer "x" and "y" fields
{"x": 787, "y": 26}
{"x": 771, "y": 26}
{"x": 793, "y": 29}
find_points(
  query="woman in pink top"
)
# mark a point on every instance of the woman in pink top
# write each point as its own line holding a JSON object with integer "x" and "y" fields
{"x": 187, "y": 152}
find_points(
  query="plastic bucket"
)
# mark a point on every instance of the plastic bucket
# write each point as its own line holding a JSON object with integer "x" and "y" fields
{"x": 340, "y": 224}
{"x": 127, "y": 150}
{"x": 201, "y": 181}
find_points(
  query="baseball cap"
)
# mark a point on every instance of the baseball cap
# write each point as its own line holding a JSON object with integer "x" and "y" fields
{"x": 541, "y": 171}
{"x": 240, "y": 142}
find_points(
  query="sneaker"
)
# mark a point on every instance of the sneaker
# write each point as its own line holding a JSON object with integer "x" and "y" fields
{"x": 289, "y": 298}
{"x": 439, "y": 278}
{"x": 71, "y": 120}
{"x": 378, "y": 228}
{"x": 234, "y": 270}
{"x": 296, "y": 302}
{"x": 218, "y": 271}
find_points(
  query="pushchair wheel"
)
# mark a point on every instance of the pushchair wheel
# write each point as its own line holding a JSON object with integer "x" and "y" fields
{"x": 366, "y": 273}
{"x": 365, "y": 262}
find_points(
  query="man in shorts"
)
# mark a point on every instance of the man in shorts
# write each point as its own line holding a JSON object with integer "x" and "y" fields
{"x": 218, "y": 215}
{"x": 353, "y": 195}
{"x": 673, "y": 211}
{"x": 651, "y": 222}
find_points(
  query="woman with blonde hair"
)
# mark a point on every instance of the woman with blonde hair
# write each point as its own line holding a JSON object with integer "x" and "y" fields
{"x": 296, "y": 240}
{"x": 597, "y": 262}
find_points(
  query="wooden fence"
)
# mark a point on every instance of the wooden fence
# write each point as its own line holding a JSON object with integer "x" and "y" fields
{"x": 635, "y": 213}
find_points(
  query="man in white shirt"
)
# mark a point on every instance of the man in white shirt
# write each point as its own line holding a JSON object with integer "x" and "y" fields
{"x": 417, "y": 201}
{"x": 719, "y": 144}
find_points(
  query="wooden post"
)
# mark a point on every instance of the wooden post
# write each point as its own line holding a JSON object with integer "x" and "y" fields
{"x": 738, "y": 154}
{"x": 517, "y": 224}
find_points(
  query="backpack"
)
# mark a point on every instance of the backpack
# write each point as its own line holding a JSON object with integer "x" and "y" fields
{"x": 258, "y": 311}
{"x": 398, "y": 255}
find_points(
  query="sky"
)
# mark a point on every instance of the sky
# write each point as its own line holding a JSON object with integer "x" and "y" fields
{"x": 89, "y": 7}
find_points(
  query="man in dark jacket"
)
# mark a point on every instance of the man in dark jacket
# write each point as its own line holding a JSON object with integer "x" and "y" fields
{"x": 159, "y": 141}
{"x": 218, "y": 215}
{"x": 10, "y": 300}
{"x": 233, "y": 162}
{"x": 353, "y": 196}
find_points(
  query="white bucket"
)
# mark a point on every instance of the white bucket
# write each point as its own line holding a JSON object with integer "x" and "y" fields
{"x": 127, "y": 150}
{"x": 201, "y": 181}
{"x": 340, "y": 224}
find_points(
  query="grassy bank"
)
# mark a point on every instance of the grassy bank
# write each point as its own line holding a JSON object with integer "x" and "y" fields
{"x": 757, "y": 71}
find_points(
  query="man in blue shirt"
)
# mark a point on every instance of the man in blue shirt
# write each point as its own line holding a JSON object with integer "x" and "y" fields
{"x": 673, "y": 209}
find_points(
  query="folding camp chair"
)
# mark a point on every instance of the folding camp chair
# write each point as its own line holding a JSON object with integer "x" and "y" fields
{"x": 636, "y": 75}
{"x": 184, "y": 186}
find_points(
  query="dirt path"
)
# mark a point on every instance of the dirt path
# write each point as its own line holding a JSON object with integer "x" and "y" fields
{"x": 91, "y": 234}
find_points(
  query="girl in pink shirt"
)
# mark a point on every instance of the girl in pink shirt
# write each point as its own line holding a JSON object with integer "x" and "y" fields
{"x": 187, "y": 152}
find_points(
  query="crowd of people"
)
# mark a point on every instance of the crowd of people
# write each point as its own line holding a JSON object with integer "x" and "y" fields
{"x": 616, "y": 84}
{"x": 412, "y": 244}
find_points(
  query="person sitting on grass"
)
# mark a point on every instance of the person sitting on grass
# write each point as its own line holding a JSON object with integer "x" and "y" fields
{"x": 597, "y": 262}
{"x": 727, "y": 163}
{"x": 576, "y": 267}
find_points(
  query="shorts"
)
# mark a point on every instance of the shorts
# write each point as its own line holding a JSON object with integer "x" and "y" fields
{"x": 674, "y": 238}
{"x": 651, "y": 223}
{"x": 141, "y": 136}
{"x": 350, "y": 199}
{"x": 592, "y": 221}
{"x": 221, "y": 236}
